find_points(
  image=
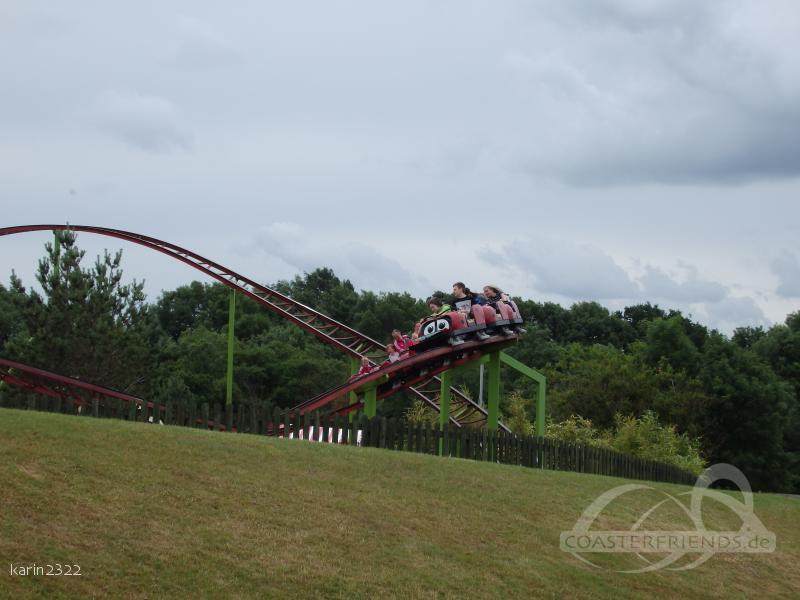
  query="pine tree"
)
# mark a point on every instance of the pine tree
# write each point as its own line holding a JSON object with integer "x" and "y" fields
{"x": 86, "y": 323}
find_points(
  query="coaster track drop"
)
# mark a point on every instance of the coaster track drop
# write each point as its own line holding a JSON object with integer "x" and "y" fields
{"x": 423, "y": 384}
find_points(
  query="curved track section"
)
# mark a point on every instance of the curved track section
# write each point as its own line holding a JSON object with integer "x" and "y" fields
{"x": 39, "y": 381}
{"x": 77, "y": 394}
{"x": 405, "y": 373}
{"x": 345, "y": 339}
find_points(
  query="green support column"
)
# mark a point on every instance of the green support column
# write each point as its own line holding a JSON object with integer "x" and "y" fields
{"x": 231, "y": 321}
{"x": 541, "y": 388}
{"x": 540, "y": 406}
{"x": 493, "y": 391}
{"x": 370, "y": 401}
{"x": 444, "y": 404}
{"x": 353, "y": 397}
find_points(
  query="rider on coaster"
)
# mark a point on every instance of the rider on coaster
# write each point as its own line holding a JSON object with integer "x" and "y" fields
{"x": 401, "y": 342}
{"x": 470, "y": 303}
{"x": 494, "y": 298}
{"x": 437, "y": 308}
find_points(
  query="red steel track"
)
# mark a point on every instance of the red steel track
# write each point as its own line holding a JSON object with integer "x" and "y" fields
{"x": 345, "y": 339}
{"x": 54, "y": 385}
{"x": 78, "y": 393}
{"x": 406, "y": 372}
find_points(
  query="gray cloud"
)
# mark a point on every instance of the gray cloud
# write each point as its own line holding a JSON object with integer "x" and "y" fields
{"x": 669, "y": 92}
{"x": 732, "y": 312}
{"x": 548, "y": 266}
{"x": 148, "y": 123}
{"x": 365, "y": 266}
{"x": 586, "y": 272}
{"x": 557, "y": 266}
{"x": 787, "y": 268}
{"x": 401, "y": 151}
{"x": 657, "y": 284}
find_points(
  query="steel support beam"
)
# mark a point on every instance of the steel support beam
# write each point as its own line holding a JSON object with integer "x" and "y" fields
{"x": 371, "y": 401}
{"x": 541, "y": 388}
{"x": 444, "y": 404}
{"x": 493, "y": 391}
{"x": 355, "y": 364}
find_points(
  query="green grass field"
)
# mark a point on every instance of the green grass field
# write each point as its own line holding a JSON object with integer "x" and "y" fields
{"x": 151, "y": 511}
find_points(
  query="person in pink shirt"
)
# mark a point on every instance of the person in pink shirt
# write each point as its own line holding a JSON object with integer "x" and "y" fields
{"x": 392, "y": 355}
{"x": 365, "y": 367}
{"x": 400, "y": 342}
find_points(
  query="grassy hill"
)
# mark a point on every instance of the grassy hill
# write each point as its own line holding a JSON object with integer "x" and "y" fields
{"x": 150, "y": 511}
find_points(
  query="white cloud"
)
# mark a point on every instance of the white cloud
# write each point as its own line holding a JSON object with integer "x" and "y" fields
{"x": 148, "y": 123}
{"x": 200, "y": 46}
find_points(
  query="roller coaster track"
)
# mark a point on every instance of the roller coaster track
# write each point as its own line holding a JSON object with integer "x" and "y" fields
{"x": 78, "y": 395}
{"x": 345, "y": 339}
{"x": 406, "y": 372}
{"x": 55, "y": 385}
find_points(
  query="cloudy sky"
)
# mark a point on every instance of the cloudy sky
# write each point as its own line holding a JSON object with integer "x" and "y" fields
{"x": 613, "y": 150}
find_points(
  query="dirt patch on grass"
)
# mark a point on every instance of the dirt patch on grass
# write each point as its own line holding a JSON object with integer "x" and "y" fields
{"x": 32, "y": 470}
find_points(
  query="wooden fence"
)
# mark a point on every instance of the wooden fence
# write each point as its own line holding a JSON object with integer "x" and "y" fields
{"x": 391, "y": 434}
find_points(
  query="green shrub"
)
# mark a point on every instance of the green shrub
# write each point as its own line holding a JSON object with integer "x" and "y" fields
{"x": 576, "y": 430}
{"x": 645, "y": 437}
{"x": 516, "y": 419}
{"x": 420, "y": 413}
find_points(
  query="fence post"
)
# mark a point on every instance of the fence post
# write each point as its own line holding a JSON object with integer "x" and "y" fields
{"x": 181, "y": 412}
{"x": 362, "y": 431}
{"x": 255, "y": 411}
{"x": 276, "y": 422}
{"x": 336, "y": 429}
{"x": 390, "y": 433}
{"x": 374, "y": 432}
{"x": 240, "y": 411}
{"x": 168, "y": 420}
{"x": 382, "y": 434}
{"x": 286, "y": 424}
{"x": 354, "y": 431}
{"x": 228, "y": 417}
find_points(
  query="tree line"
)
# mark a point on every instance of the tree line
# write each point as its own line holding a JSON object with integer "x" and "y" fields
{"x": 640, "y": 380}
